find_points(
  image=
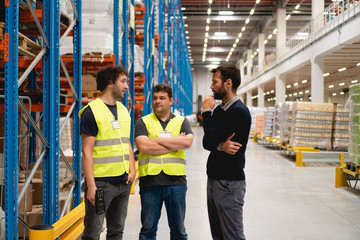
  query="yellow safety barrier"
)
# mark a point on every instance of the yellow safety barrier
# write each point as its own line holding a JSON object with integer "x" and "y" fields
{"x": 67, "y": 228}
{"x": 340, "y": 179}
{"x": 132, "y": 190}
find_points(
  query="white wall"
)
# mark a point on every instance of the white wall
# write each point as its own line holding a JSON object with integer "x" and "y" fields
{"x": 201, "y": 84}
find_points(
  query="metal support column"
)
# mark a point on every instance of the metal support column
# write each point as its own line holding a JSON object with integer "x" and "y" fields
{"x": 132, "y": 70}
{"x": 125, "y": 43}
{"x": 51, "y": 110}
{"x": 149, "y": 45}
{"x": 77, "y": 61}
{"x": 11, "y": 118}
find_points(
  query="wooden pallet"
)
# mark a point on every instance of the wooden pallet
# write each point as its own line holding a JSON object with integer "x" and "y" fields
{"x": 91, "y": 93}
{"x": 2, "y": 26}
{"x": 27, "y": 47}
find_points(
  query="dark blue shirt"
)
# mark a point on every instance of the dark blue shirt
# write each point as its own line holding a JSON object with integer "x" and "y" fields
{"x": 218, "y": 126}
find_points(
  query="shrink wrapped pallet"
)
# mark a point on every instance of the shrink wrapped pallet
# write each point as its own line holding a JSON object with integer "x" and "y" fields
{"x": 354, "y": 124}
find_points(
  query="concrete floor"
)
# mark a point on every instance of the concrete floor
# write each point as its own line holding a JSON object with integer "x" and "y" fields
{"x": 283, "y": 202}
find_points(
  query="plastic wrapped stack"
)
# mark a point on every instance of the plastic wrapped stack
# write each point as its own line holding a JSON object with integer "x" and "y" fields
{"x": 97, "y": 28}
{"x": 255, "y": 111}
{"x": 277, "y": 123}
{"x": 269, "y": 117}
{"x": 311, "y": 124}
{"x": 354, "y": 124}
{"x": 284, "y": 121}
{"x": 340, "y": 134}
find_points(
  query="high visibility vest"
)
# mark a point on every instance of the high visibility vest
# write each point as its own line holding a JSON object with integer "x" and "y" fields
{"x": 111, "y": 150}
{"x": 172, "y": 163}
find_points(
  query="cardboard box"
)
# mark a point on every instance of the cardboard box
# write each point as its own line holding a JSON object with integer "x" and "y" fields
{"x": 28, "y": 196}
{"x": 32, "y": 218}
{"x": 37, "y": 185}
{"x": 88, "y": 82}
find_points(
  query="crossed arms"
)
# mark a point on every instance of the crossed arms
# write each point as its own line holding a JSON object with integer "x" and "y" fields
{"x": 163, "y": 145}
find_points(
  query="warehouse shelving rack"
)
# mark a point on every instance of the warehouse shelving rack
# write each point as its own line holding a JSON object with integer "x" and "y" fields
{"x": 127, "y": 51}
{"x": 49, "y": 60}
{"x": 177, "y": 73}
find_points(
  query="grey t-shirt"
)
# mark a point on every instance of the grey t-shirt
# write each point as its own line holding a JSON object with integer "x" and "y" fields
{"x": 162, "y": 179}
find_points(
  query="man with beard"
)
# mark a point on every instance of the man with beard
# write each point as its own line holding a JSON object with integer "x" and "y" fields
{"x": 162, "y": 138}
{"x": 108, "y": 159}
{"x": 226, "y": 132}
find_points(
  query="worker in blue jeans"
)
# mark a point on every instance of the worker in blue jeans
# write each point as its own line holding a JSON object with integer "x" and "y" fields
{"x": 161, "y": 138}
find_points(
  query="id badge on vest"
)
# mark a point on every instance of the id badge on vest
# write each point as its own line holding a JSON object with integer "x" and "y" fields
{"x": 165, "y": 134}
{"x": 115, "y": 124}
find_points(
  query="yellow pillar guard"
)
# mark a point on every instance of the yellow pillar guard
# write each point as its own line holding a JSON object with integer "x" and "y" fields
{"x": 67, "y": 228}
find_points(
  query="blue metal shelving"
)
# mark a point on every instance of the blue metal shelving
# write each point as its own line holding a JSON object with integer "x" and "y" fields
{"x": 149, "y": 45}
{"x": 51, "y": 152}
{"x": 11, "y": 118}
{"x": 179, "y": 75}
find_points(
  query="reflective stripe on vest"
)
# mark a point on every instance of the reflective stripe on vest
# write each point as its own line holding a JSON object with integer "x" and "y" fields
{"x": 164, "y": 160}
{"x": 111, "y": 159}
{"x": 108, "y": 142}
{"x": 172, "y": 163}
{"x": 111, "y": 150}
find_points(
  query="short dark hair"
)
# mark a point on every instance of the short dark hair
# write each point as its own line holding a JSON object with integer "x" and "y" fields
{"x": 109, "y": 75}
{"x": 163, "y": 88}
{"x": 229, "y": 71}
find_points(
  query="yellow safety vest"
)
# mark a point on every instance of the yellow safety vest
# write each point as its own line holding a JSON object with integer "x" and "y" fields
{"x": 172, "y": 163}
{"x": 111, "y": 150}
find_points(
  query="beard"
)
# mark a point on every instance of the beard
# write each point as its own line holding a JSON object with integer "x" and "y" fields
{"x": 220, "y": 93}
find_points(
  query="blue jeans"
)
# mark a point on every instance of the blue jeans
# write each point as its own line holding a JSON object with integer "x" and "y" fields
{"x": 152, "y": 199}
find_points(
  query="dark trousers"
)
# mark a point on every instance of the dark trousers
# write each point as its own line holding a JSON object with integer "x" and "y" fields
{"x": 116, "y": 198}
{"x": 225, "y": 200}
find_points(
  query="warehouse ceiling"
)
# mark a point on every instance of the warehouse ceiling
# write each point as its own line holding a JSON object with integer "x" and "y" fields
{"x": 263, "y": 20}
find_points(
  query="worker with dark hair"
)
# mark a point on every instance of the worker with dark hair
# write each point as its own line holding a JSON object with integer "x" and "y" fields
{"x": 108, "y": 159}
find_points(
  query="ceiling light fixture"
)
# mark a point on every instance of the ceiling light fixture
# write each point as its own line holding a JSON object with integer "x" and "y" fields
{"x": 342, "y": 93}
{"x": 183, "y": 9}
{"x": 354, "y": 81}
{"x": 342, "y": 69}
{"x": 358, "y": 64}
{"x": 210, "y": 1}
{"x": 326, "y": 74}
{"x": 220, "y": 33}
{"x": 240, "y": 35}
{"x": 275, "y": 31}
{"x": 243, "y": 28}
{"x": 226, "y": 13}
{"x": 334, "y": 94}
{"x": 297, "y": 6}
{"x": 341, "y": 84}
{"x": 252, "y": 11}
{"x": 288, "y": 86}
{"x": 287, "y": 17}
{"x": 307, "y": 91}
{"x": 295, "y": 84}
{"x": 209, "y": 11}
{"x": 331, "y": 86}
{"x": 304, "y": 81}
{"x": 206, "y": 40}
{"x": 247, "y": 20}
{"x": 207, "y": 28}
{"x": 257, "y": 1}
{"x": 237, "y": 40}
{"x": 208, "y": 20}
{"x": 266, "y": 41}
{"x": 270, "y": 36}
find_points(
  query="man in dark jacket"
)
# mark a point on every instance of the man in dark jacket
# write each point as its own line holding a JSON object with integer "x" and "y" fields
{"x": 226, "y": 133}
